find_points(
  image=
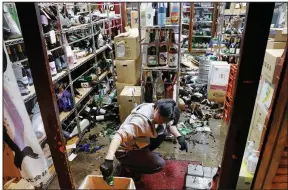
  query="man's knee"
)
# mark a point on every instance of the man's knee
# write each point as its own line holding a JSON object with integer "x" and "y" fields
{"x": 159, "y": 164}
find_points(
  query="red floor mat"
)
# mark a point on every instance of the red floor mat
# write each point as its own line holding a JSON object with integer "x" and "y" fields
{"x": 171, "y": 177}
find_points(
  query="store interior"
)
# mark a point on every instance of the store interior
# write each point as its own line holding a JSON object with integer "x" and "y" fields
{"x": 104, "y": 60}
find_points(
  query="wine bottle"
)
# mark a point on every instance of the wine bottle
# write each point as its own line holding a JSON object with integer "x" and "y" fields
{"x": 232, "y": 48}
{"x": 155, "y": 18}
{"x": 238, "y": 43}
{"x": 163, "y": 50}
{"x": 109, "y": 116}
{"x": 81, "y": 83}
{"x": 151, "y": 51}
{"x": 173, "y": 51}
{"x": 62, "y": 59}
{"x": 44, "y": 21}
{"x": 12, "y": 58}
{"x": 148, "y": 95}
{"x": 14, "y": 53}
{"x": 53, "y": 69}
{"x": 57, "y": 61}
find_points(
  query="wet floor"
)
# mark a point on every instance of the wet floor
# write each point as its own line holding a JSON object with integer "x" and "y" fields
{"x": 209, "y": 152}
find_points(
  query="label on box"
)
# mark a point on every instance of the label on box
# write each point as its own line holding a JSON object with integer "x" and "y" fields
{"x": 120, "y": 51}
{"x": 266, "y": 95}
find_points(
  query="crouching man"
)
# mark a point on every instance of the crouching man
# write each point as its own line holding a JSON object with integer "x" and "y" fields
{"x": 141, "y": 133}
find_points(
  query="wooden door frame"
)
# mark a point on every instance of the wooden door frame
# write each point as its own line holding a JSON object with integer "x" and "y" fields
{"x": 246, "y": 86}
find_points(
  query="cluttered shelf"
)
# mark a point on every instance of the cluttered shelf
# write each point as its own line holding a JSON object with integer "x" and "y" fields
{"x": 160, "y": 68}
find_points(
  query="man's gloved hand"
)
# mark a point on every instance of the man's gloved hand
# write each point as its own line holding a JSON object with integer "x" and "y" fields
{"x": 182, "y": 142}
{"x": 106, "y": 168}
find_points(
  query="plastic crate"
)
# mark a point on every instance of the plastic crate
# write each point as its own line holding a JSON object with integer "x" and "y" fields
{"x": 231, "y": 84}
{"x": 227, "y": 112}
{"x": 233, "y": 70}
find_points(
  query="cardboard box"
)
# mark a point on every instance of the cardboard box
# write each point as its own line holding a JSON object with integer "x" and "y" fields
{"x": 134, "y": 19}
{"x": 126, "y": 100}
{"x": 128, "y": 71}
{"x": 127, "y": 45}
{"x": 271, "y": 61}
{"x": 280, "y": 35}
{"x": 271, "y": 44}
{"x": 218, "y": 81}
{"x": 258, "y": 126}
{"x": 97, "y": 182}
{"x": 120, "y": 86}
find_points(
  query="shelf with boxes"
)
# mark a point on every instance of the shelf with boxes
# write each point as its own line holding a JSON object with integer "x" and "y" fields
{"x": 78, "y": 39}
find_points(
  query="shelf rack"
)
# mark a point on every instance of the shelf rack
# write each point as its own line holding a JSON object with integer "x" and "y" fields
{"x": 67, "y": 72}
{"x": 221, "y": 33}
{"x": 214, "y": 11}
{"x": 144, "y": 68}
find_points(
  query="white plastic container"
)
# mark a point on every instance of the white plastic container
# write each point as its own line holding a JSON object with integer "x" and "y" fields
{"x": 252, "y": 162}
{"x": 249, "y": 150}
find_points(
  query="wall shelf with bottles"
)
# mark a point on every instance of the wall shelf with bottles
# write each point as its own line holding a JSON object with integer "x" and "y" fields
{"x": 230, "y": 33}
{"x": 90, "y": 52}
{"x": 160, "y": 65}
{"x": 202, "y": 27}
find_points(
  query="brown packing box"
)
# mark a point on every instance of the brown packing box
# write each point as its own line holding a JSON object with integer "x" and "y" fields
{"x": 258, "y": 128}
{"x": 126, "y": 101}
{"x": 271, "y": 44}
{"x": 97, "y": 182}
{"x": 216, "y": 95}
{"x": 279, "y": 36}
{"x": 134, "y": 19}
{"x": 128, "y": 71}
{"x": 127, "y": 45}
{"x": 120, "y": 86}
{"x": 271, "y": 61}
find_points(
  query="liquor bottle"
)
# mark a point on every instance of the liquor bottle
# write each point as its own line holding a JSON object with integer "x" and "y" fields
{"x": 108, "y": 116}
{"x": 174, "y": 13}
{"x": 149, "y": 14}
{"x": 14, "y": 53}
{"x": 90, "y": 77}
{"x": 82, "y": 83}
{"x": 173, "y": 51}
{"x": 152, "y": 51}
{"x": 148, "y": 95}
{"x": 238, "y": 43}
{"x": 53, "y": 69}
{"x": 161, "y": 15}
{"x": 44, "y": 21}
{"x": 232, "y": 46}
{"x": 12, "y": 58}
{"x": 57, "y": 61}
{"x": 163, "y": 50}
{"x": 62, "y": 58}
{"x": 83, "y": 125}
{"x": 155, "y": 18}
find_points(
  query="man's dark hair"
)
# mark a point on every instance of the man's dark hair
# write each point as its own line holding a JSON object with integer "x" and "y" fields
{"x": 168, "y": 108}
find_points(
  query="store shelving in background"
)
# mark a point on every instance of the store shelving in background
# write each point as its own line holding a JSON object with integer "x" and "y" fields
{"x": 103, "y": 18}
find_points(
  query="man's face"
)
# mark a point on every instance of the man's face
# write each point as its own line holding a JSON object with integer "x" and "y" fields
{"x": 159, "y": 119}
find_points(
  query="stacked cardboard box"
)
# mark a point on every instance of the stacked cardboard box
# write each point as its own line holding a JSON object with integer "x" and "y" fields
{"x": 269, "y": 78}
{"x": 278, "y": 39}
{"x": 218, "y": 80}
{"x": 129, "y": 98}
{"x": 127, "y": 65}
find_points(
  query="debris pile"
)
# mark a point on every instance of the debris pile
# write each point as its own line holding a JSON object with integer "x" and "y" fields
{"x": 198, "y": 111}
